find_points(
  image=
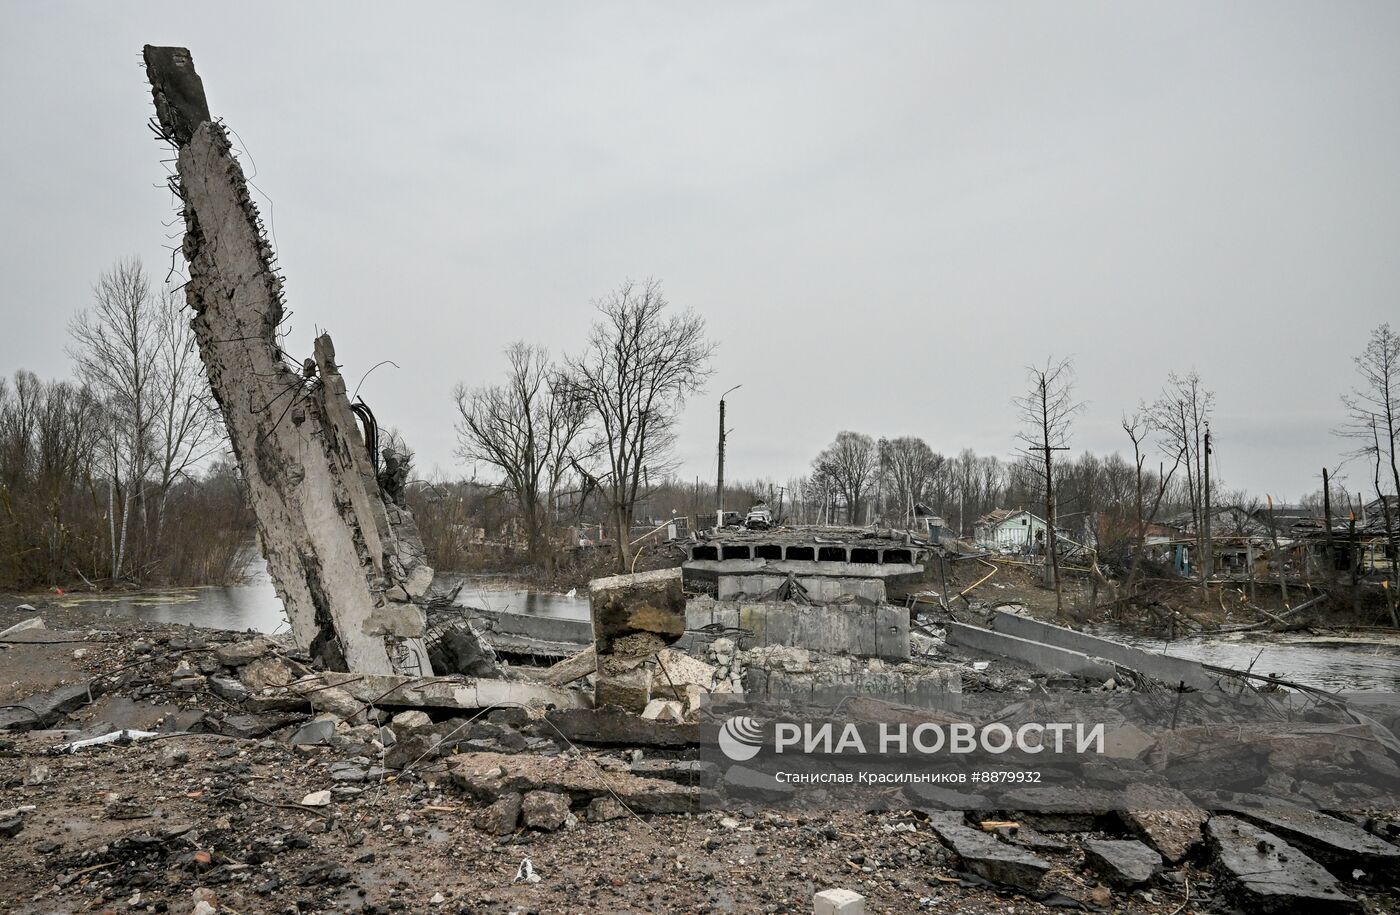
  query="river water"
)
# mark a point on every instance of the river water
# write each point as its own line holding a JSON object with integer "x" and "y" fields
{"x": 1357, "y": 662}
{"x": 1338, "y": 664}
{"x": 254, "y": 604}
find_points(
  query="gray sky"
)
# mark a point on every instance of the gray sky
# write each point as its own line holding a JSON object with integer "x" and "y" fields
{"x": 884, "y": 211}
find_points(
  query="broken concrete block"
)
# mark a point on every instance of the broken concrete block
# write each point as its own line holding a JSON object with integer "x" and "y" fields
{"x": 838, "y": 902}
{"x": 42, "y": 710}
{"x": 317, "y": 732}
{"x": 1339, "y": 846}
{"x": 628, "y": 689}
{"x": 249, "y": 726}
{"x": 663, "y": 710}
{"x": 1263, "y": 873}
{"x": 489, "y": 775}
{"x": 984, "y": 855}
{"x": 675, "y": 670}
{"x": 572, "y": 668}
{"x": 651, "y": 602}
{"x": 267, "y": 672}
{"x": 1165, "y": 819}
{"x": 36, "y": 622}
{"x": 236, "y": 654}
{"x": 1124, "y": 863}
{"x": 410, "y": 722}
{"x": 605, "y": 808}
{"x": 614, "y": 727}
{"x": 546, "y": 810}
{"x": 634, "y": 618}
{"x": 226, "y": 687}
{"x": 500, "y": 817}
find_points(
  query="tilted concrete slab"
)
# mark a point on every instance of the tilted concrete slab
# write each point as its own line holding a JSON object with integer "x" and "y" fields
{"x": 1149, "y": 663}
{"x": 1039, "y": 655}
{"x": 1263, "y": 873}
{"x": 447, "y": 692}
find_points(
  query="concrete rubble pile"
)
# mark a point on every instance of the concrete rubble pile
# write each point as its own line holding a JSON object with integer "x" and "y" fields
{"x": 378, "y": 693}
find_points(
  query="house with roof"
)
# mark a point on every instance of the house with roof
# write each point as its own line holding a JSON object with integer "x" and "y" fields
{"x": 1011, "y": 530}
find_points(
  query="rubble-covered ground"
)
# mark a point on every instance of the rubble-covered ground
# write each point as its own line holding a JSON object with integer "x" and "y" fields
{"x": 221, "y": 812}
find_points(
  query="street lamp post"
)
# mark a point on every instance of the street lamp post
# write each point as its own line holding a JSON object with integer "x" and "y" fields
{"x": 719, "y": 483}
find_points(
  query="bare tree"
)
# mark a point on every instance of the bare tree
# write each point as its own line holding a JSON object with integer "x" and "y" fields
{"x": 1139, "y": 426}
{"x": 1373, "y": 419}
{"x": 640, "y": 364}
{"x": 1180, "y": 416}
{"x": 186, "y": 425}
{"x": 526, "y": 429}
{"x": 1047, "y": 409}
{"x": 850, "y": 462}
{"x": 115, "y": 348}
{"x": 911, "y": 467}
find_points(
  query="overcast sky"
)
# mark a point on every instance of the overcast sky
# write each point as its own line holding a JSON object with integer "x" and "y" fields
{"x": 884, "y": 211}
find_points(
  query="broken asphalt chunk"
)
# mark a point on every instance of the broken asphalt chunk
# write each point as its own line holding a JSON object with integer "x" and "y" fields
{"x": 1263, "y": 873}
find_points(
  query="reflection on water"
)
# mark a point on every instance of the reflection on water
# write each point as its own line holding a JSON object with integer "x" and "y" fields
{"x": 477, "y": 593}
{"x": 254, "y": 604}
{"x": 1359, "y": 665}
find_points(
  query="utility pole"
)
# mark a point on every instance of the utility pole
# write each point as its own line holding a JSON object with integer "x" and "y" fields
{"x": 719, "y": 484}
{"x": 778, "y": 518}
{"x": 1208, "y": 559}
{"x": 1052, "y": 563}
{"x": 1327, "y": 520}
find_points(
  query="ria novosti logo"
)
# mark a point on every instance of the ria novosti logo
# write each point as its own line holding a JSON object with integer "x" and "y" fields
{"x": 740, "y": 738}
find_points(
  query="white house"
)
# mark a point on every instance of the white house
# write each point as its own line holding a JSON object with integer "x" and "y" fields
{"x": 1011, "y": 530}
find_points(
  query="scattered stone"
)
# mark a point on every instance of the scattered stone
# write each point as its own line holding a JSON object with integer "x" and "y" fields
{"x": 250, "y": 726}
{"x": 604, "y": 808}
{"x": 316, "y": 732}
{"x": 664, "y": 710}
{"x": 985, "y": 856}
{"x": 348, "y": 772}
{"x": 269, "y": 672}
{"x": 25, "y": 608}
{"x": 10, "y": 826}
{"x": 499, "y": 818}
{"x": 317, "y": 799}
{"x": 34, "y": 622}
{"x": 1124, "y": 863}
{"x": 1263, "y": 873}
{"x": 545, "y": 810}
{"x": 185, "y": 677}
{"x": 407, "y": 723}
{"x": 237, "y": 654}
{"x": 838, "y": 902}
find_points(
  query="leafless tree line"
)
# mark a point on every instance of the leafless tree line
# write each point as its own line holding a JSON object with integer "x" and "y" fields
{"x": 103, "y": 465}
